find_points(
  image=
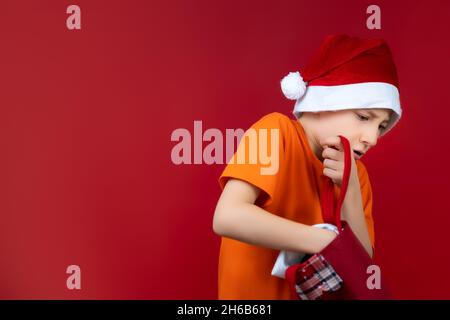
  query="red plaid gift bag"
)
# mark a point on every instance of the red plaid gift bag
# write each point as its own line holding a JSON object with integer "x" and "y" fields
{"x": 339, "y": 271}
{"x": 315, "y": 276}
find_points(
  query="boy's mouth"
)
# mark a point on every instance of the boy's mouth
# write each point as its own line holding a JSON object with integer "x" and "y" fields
{"x": 358, "y": 154}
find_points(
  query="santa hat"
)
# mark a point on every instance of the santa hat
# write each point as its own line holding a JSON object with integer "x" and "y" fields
{"x": 346, "y": 73}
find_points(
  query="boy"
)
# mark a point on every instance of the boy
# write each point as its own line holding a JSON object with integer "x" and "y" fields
{"x": 351, "y": 90}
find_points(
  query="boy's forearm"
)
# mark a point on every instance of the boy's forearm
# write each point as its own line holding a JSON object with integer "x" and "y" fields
{"x": 353, "y": 212}
{"x": 254, "y": 225}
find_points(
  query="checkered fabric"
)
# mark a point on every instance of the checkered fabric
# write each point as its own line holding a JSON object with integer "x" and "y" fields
{"x": 315, "y": 276}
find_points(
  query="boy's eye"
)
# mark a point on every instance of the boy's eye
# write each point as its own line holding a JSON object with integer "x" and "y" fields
{"x": 363, "y": 117}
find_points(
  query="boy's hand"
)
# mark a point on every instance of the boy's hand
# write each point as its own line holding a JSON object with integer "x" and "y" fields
{"x": 333, "y": 155}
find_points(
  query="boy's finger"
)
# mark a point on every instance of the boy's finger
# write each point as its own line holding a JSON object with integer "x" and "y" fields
{"x": 334, "y": 142}
{"x": 331, "y": 153}
{"x": 333, "y": 164}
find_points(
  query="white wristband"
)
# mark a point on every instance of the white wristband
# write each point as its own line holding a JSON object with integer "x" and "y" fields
{"x": 327, "y": 226}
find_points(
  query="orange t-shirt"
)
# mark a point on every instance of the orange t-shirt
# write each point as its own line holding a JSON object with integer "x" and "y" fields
{"x": 293, "y": 192}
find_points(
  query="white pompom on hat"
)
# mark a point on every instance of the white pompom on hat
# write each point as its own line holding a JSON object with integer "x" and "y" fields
{"x": 293, "y": 86}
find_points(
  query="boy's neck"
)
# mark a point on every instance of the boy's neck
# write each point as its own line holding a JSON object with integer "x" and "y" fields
{"x": 313, "y": 144}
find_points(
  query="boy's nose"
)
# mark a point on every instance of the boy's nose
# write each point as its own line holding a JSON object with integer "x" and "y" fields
{"x": 370, "y": 139}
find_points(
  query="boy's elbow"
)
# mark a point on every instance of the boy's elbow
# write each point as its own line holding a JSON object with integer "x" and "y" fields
{"x": 222, "y": 220}
{"x": 227, "y": 212}
{"x": 218, "y": 223}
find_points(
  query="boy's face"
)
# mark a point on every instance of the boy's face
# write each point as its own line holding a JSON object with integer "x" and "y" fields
{"x": 362, "y": 127}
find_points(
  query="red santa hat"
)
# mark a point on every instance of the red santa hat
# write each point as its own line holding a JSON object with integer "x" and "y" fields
{"x": 346, "y": 73}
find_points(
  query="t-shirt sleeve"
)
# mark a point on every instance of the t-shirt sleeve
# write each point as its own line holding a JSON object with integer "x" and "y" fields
{"x": 366, "y": 194}
{"x": 259, "y": 156}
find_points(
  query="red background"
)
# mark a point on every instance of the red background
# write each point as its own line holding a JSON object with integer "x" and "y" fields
{"x": 86, "y": 118}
